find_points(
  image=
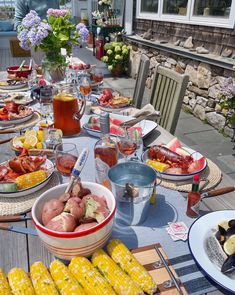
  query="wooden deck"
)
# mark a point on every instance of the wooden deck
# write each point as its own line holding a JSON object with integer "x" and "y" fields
{"x": 7, "y": 59}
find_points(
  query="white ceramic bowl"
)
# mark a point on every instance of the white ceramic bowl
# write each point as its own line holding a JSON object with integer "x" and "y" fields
{"x": 68, "y": 245}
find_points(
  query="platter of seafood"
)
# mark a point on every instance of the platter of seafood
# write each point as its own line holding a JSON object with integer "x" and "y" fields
{"x": 23, "y": 175}
{"x": 212, "y": 243}
{"x": 110, "y": 100}
{"x": 12, "y": 84}
{"x": 13, "y": 113}
{"x": 174, "y": 161}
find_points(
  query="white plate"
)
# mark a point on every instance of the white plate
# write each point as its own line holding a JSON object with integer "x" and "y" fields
{"x": 179, "y": 177}
{"x": 24, "y": 101}
{"x": 16, "y": 121}
{"x": 147, "y": 126}
{"x": 198, "y": 233}
{"x": 50, "y": 167}
{"x": 13, "y": 87}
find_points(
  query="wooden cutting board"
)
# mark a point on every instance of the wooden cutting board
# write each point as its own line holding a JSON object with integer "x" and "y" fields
{"x": 147, "y": 256}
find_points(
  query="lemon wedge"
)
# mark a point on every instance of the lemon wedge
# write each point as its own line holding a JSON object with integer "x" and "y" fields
{"x": 40, "y": 136}
{"x": 17, "y": 143}
{"x": 229, "y": 245}
{"x": 30, "y": 133}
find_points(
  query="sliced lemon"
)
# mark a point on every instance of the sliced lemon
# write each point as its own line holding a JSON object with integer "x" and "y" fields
{"x": 58, "y": 134}
{"x": 40, "y": 136}
{"x": 39, "y": 145}
{"x": 31, "y": 140}
{"x": 27, "y": 146}
{"x": 17, "y": 143}
{"x": 30, "y": 133}
{"x": 229, "y": 245}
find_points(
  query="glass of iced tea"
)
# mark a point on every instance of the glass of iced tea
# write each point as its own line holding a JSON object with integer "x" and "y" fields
{"x": 66, "y": 155}
{"x": 68, "y": 110}
{"x": 127, "y": 144}
{"x": 85, "y": 87}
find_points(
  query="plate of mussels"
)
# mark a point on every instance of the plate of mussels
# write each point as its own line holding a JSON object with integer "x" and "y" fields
{"x": 211, "y": 241}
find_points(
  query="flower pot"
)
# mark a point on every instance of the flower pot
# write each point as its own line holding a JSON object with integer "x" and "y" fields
{"x": 117, "y": 71}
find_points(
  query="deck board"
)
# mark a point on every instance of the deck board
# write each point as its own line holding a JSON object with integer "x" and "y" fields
{"x": 6, "y": 59}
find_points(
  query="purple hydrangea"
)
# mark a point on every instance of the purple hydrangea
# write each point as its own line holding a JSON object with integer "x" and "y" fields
{"x": 83, "y": 32}
{"x": 228, "y": 89}
{"x": 80, "y": 26}
{"x": 58, "y": 12}
{"x": 31, "y": 19}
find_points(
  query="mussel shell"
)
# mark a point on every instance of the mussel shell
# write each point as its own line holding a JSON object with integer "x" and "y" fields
{"x": 231, "y": 223}
{"x": 221, "y": 235}
{"x": 229, "y": 264}
{"x": 230, "y": 232}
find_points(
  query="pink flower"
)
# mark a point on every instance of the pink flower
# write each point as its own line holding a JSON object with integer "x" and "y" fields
{"x": 58, "y": 12}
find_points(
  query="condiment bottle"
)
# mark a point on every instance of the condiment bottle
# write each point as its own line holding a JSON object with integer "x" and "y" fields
{"x": 105, "y": 152}
{"x": 194, "y": 199}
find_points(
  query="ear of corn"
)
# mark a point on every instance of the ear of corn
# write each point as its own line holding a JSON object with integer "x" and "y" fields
{"x": 123, "y": 257}
{"x": 4, "y": 286}
{"x": 20, "y": 282}
{"x": 30, "y": 179}
{"x": 64, "y": 280}
{"x": 42, "y": 281}
{"x": 89, "y": 277}
{"x": 117, "y": 278}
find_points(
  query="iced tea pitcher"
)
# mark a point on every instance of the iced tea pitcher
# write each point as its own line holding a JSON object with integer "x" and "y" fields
{"x": 68, "y": 110}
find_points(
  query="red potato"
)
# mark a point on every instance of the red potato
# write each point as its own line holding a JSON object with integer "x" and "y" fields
{"x": 85, "y": 226}
{"x": 76, "y": 207}
{"x": 65, "y": 222}
{"x": 51, "y": 209}
{"x": 174, "y": 170}
{"x": 79, "y": 191}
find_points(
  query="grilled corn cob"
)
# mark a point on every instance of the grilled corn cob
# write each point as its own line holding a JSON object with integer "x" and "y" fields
{"x": 19, "y": 282}
{"x": 30, "y": 179}
{"x": 4, "y": 286}
{"x": 126, "y": 260}
{"x": 42, "y": 281}
{"x": 117, "y": 278}
{"x": 64, "y": 280}
{"x": 89, "y": 277}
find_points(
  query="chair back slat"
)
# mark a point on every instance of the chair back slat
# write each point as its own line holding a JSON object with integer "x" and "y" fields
{"x": 167, "y": 93}
{"x": 141, "y": 80}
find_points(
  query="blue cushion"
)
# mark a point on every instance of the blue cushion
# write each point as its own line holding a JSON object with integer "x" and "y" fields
{"x": 6, "y": 25}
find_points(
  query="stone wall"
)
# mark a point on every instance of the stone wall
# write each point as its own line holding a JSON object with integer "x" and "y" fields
{"x": 202, "y": 94}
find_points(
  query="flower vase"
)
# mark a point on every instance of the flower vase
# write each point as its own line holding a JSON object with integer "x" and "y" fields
{"x": 54, "y": 66}
{"x": 117, "y": 71}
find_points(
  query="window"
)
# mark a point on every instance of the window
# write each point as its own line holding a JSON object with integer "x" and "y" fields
{"x": 218, "y": 13}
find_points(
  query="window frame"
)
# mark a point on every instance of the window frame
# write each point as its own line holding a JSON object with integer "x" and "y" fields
{"x": 189, "y": 18}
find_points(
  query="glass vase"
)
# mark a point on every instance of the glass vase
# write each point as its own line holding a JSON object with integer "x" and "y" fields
{"x": 54, "y": 66}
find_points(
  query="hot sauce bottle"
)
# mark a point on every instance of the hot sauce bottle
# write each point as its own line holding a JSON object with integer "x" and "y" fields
{"x": 194, "y": 198}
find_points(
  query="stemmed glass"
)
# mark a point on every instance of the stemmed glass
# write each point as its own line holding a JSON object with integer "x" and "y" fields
{"x": 97, "y": 76}
{"x": 127, "y": 144}
{"x": 66, "y": 155}
{"x": 85, "y": 87}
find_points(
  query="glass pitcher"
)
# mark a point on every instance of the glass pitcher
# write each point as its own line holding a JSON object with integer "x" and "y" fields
{"x": 68, "y": 110}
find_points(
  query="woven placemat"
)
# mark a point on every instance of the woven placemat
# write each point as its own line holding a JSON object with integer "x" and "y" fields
{"x": 210, "y": 178}
{"x": 13, "y": 206}
{"x": 31, "y": 122}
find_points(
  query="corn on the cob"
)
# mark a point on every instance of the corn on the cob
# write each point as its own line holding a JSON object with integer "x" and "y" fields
{"x": 123, "y": 257}
{"x": 4, "y": 286}
{"x": 117, "y": 278}
{"x": 19, "y": 282}
{"x": 89, "y": 277}
{"x": 42, "y": 280}
{"x": 30, "y": 179}
{"x": 64, "y": 280}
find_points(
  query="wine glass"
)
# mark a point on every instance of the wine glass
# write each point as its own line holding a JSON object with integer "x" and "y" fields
{"x": 46, "y": 94}
{"x": 127, "y": 144}
{"x": 66, "y": 155}
{"x": 85, "y": 87}
{"x": 97, "y": 76}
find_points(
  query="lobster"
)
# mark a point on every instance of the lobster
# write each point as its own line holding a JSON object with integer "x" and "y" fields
{"x": 165, "y": 155}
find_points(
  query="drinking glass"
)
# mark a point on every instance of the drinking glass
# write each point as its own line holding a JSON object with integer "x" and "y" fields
{"x": 97, "y": 76}
{"x": 46, "y": 94}
{"x": 127, "y": 144}
{"x": 85, "y": 87}
{"x": 66, "y": 155}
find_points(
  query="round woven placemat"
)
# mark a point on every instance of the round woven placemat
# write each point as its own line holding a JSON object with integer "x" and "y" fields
{"x": 12, "y": 206}
{"x": 210, "y": 178}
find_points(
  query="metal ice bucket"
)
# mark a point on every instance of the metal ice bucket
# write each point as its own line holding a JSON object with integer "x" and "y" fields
{"x": 132, "y": 185}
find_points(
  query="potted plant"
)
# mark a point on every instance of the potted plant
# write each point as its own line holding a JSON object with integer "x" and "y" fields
{"x": 227, "y": 100}
{"x": 116, "y": 57}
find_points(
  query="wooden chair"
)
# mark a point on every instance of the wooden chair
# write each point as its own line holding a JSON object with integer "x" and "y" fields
{"x": 141, "y": 80}
{"x": 167, "y": 93}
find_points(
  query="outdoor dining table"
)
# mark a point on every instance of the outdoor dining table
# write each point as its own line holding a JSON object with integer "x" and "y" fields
{"x": 22, "y": 250}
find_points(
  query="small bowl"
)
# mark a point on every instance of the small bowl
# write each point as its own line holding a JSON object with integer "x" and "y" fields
{"x": 66, "y": 245}
{"x": 13, "y": 70}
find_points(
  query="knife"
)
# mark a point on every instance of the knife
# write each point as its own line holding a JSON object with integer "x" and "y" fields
{"x": 18, "y": 229}
{"x": 14, "y": 218}
{"x": 218, "y": 192}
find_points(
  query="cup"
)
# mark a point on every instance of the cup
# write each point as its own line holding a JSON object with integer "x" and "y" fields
{"x": 46, "y": 94}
